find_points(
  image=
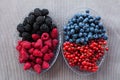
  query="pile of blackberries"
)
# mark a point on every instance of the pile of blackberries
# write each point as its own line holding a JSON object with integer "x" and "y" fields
{"x": 37, "y": 22}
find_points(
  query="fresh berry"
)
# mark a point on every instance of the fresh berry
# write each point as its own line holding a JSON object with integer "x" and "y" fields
{"x": 45, "y": 36}
{"x": 54, "y": 33}
{"x": 45, "y": 12}
{"x": 37, "y": 68}
{"x": 45, "y": 65}
{"x": 27, "y": 66}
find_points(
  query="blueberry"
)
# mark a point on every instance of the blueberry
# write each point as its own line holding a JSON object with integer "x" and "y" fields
{"x": 100, "y": 24}
{"x": 65, "y": 33}
{"x": 91, "y": 29}
{"x": 37, "y": 12}
{"x": 87, "y": 11}
{"x": 80, "y": 34}
{"x": 77, "y": 41}
{"x": 80, "y": 19}
{"x": 40, "y": 20}
{"x": 65, "y": 28}
{"x": 85, "y": 20}
{"x": 84, "y": 34}
{"x": 81, "y": 30}
{"x": 90, "y": 17}
{"x": 74, "y": 36}
{"x": 66, "y": 38}
{"x": 97, "y": 27}
{"x": 72, "y": 31}
{"x": 20, "y": 28}
{"x": 87, "y": 30}
{"x": 76, "y": 27}
{"x": 72, "y": 27}
{"x": 70, "y": 40}
{"x": 68, "y": 33}
{"x": 99, "y": 36}
{"x": 84, "y": 42}
{"x": 96, "y": 30}
{"x": 104, "y": 30}
{"x": 68, "y": 28}
{"x": 98, "y": 18}
{"x": 84, "y": 15}
{"x": 91, "y": 20}
{"x": 73, "y": 19}
{"x": 92, "y": 24}
{"x": 81, "y": 24}
{"x": 96, "y": 22}
{"x": 95, "y": 36}
{"x": 105, "y": 37}
{"x": 45, "y": 12}
{"x": 48, "y": 20}
{"x": 28, "y": 28}
{"x": 89, "y": 36}
{"x": 86, "y": 39}
{"x": 76, "y": 16}
{"x": 81, "y": 40}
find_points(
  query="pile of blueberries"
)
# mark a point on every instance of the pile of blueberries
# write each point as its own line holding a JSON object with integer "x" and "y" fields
{"x": 84, "y": 27}
{"x": 37, "y": 22}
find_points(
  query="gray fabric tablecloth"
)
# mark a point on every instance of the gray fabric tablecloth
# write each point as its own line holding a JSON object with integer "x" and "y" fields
{"x": 12, "y": 12}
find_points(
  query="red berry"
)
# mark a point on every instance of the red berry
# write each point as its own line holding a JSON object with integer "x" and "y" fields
{"x": 51, "y": 54}
{"x": 31, "y": 50}
{"x": 45, "y": 36}
{"x": 54, "y": 33}
{"x": 38, "y": 60}
{"x": 55, "y": 42}
{"x": 47, "y": 57}
{"x": 35, "y": 37}
{"x": 48, "y": 43}
{"x": 26, "y": 45}
{"x": 45, "y": 65}
{"x": 44, "y": 49}
{"x": 37, "y": 68}
{"x": 37, "y": 53}
{"x": 27, "y": 66}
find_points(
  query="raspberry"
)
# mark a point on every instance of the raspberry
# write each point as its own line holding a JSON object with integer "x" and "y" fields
{"x": 37, "y": 53}
{"x": 32, "y": 57}
{"x": 55, "y": 42}
{"x": 27, "y": 66}
{"x": 18, "y": 47}
{"x": 54, "y": 33}
{"x": 31, "y": 50}
{"x": 40, "y": 42}
{"x": 51, "y": 54}
{"x": 35, "y": 37}
{"x": 39, "y": 61}
{"x": 47, "y": 57}
{"x": 26, "y": 45}
{"x": 45, "y": 36}
{"x": 37, "y": 68}
{"x": 53, "y": 26}
{"x": 48, "y": 43}
{"x": 45, "y": 65}
{"x": 44, "y": 49}
{"x": 45, "y": 12}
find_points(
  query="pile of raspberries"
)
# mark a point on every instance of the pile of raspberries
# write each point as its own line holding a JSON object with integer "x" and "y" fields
{"x": 39, "y": 40}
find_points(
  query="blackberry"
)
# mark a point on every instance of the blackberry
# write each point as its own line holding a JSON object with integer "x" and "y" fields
{"x": 44, "y": 28}
{"x": 26, "y": 36}
{"x": 40, "y": 20}
{"x": 37, "y": 12}
{"x": 20, "y": 28}
{"x": 25, "y": 21}
{"x": 36, "y": 27}
{"x": 45, "y": 12}
{"x": 53, "y": 26}
{"x": 31, "y": 13}
{"x": 39, "y": 32}
{"x": 28, "y": 27}
{"x": 48, "y": 20}
{"x": 30, "y": 19}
